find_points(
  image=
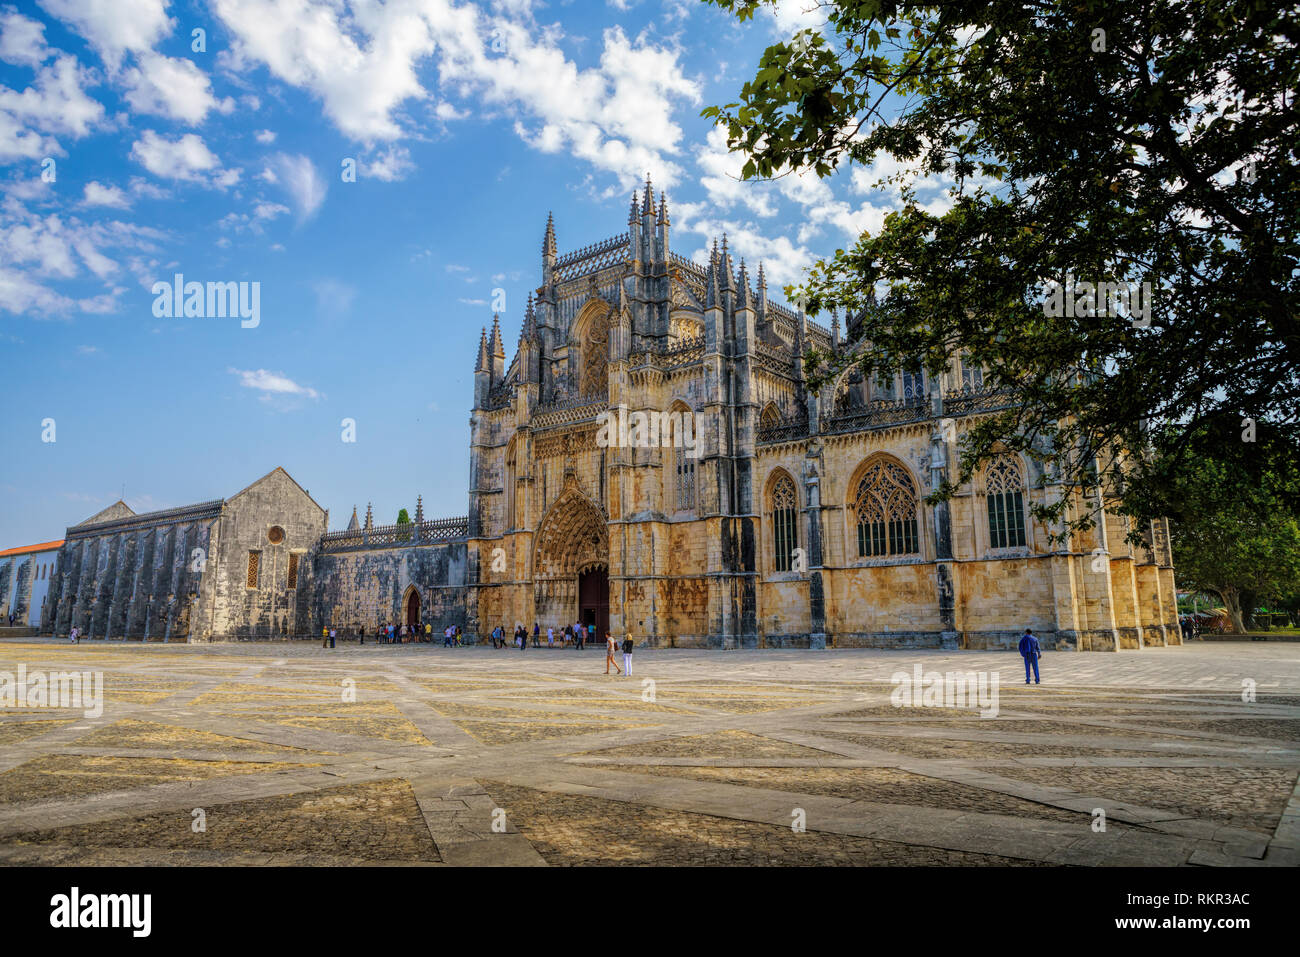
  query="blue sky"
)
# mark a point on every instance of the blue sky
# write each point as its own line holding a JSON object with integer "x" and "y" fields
{"x": 467, "y": 124}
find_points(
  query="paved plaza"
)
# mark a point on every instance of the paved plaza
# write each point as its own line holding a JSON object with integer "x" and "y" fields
{"x": 258, "y": 754}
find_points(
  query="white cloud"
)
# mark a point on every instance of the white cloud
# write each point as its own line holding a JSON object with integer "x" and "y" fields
{"x": 55, "y": 104}
{"x": 97, "y": 194}
{"x": 364, "y": 62}
{"x": 22, "y": 41}
{"x": 115, "y": 27}
{"x": 265, "y": 136}
{"x": 172, "y": 87}
{"x": 315, "y": 45}
{"x": 186, "y": 158}
{"x": 35, "y": 249}
{"x": 390, "y": 165}
{"x": 300, "y": 179}
{"x": 272, "y": 385}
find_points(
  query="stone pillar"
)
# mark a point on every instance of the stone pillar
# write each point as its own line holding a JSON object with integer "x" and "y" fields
{"x": 23, "y": 590}
{"x": 6, "y": 585}
{"x": 123, "y": 579}
{"x": 85, "y": 590}
{"x": 175, "y": 596}
{"x": 141, "y": 579}
{"x": 813, "y": 536}
{"x": 105, "y": 579}
{"x": 940, "y": 515}
{"x": 156, "y": 603}
{"x": 69, "y": 576}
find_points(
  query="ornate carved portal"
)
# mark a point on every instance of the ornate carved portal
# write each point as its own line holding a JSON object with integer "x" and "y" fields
{"x": 571, "y": 562}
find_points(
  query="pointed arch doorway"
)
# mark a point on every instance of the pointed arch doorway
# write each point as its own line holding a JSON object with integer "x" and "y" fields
{"x": 593, "y": 600}
{"x": 571, "y": 563}
{"x": 411, "y": 607}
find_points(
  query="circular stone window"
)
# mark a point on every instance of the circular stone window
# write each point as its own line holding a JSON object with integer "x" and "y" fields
{"x": 275, "y": 535}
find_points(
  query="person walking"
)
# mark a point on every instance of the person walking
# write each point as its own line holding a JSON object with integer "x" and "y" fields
{"x": 537, "y": 631}
{"x": 1030, "y": 651}
{"x": 550, "y": 637}
{"x": 610, "y": 646}
{"x": 627, "y": 656}
{"x": 333, "y": 634}
{"x": 324, "y": 636}
{"x": 75, "y": 634}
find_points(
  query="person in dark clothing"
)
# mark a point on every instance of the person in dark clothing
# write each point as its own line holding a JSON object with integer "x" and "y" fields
{"x": 537, "y": 635}
{"x": 1030, "y": 651}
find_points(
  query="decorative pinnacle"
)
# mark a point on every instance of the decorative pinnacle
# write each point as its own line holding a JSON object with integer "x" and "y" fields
{"x": 482, "y": 363}
{"x": 498, "y": 350}
{"x": 663, "y": 209}
{"x": 648, "y": 206}
{"x": 548, "y": 241}
{"x": 634, "y": 215}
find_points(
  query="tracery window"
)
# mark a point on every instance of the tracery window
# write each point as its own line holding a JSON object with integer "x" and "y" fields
{"x": 972, "y": 375}
{"x": 595, "y": 357}
{"x": 885, "y": 504}
{"x": 913, "y": 384}
{"x": 681, "y": 462}
{"x": 1004, "y": 491}
{"x": 785, "y": 533}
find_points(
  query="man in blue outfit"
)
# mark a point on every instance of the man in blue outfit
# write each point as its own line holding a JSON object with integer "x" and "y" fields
{"x": 1030, "y": 651}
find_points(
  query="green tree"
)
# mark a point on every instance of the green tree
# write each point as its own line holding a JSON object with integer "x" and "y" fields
{"x": 1235, "y": 538}
{"x": 403, "y": 518}
{"x": 1148, "y": 142}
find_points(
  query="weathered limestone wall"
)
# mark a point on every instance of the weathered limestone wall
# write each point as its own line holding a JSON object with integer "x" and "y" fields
{"x": 360, "y": 590}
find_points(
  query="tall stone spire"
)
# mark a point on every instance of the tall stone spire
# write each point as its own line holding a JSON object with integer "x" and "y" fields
{"x": 713, "y": 297}
{"x": 746, "y": 298}
{"x": 496, "y": 349}
{"x": 370, "y": 518}
{"x": 482, "y": 364}
{"x": 353, "y": 524}
{"x": 634, "y": 214}
{"x": 548, "y": 241}
{"x": 762, "y": 288}
{"x": 419, "y": 508}
{"x": 663, "y": 209}
{"x": 724, "y": 266}
{"x": 648, "y": 204}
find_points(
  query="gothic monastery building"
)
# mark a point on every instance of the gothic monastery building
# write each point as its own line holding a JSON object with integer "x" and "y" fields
{"x": 651, "y": 461}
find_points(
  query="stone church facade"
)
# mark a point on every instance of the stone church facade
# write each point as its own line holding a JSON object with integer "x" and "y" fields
{"x": 652, "y": 461}
{"x": 798, "y": 517}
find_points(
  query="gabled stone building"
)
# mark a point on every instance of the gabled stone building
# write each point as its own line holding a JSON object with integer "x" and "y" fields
{"x": 230, "y": 568}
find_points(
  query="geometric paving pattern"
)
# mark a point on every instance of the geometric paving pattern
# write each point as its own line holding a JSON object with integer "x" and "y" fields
{"x": 294, "y": 754}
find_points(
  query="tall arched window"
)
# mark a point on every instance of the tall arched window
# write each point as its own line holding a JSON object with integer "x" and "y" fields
{"x": 785, "y": 528}
{"x": 683, "y": 425}
{"x": 1005, "y": 491}
{"x": 595, "y": 354}
{"x": 510, "y": 482}
{"x": 913, "y": 383}
{"x": 885, "y": 505}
